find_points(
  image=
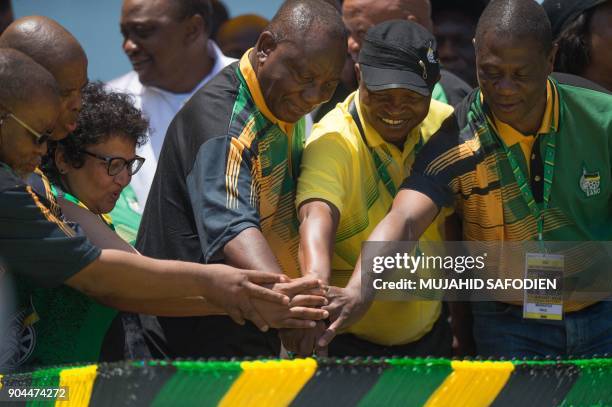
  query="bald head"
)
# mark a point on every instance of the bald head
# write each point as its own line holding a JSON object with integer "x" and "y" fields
{"x": 297, "y": 20}
{"x": 22, "y": 79}
{"x": 516, "y": 20}
{"x": 53, "y": 47}
{"x": 43, "y": 39}
{"x": 361, "y": 15}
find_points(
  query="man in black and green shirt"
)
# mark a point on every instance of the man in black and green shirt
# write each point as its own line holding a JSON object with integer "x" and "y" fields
{"x": 225, "y": 186}
{"x": 523, "y": 158}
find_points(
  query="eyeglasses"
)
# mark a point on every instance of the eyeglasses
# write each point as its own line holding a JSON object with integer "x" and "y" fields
{"x": 114, "y": 165}
{"x": 39, "y": 139}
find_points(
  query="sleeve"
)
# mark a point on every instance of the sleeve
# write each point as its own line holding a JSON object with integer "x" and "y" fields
{"x": 36, "y": 245}
{"x": 324, "y": 170}
{"x": 223, "y": 193}
{"x": 440, "y": 164}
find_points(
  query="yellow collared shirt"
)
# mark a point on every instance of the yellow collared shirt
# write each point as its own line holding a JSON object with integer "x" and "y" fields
{"x": 338, "y": 167}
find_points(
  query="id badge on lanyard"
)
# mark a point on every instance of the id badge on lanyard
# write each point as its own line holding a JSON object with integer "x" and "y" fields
{"x": 545, "y": 301}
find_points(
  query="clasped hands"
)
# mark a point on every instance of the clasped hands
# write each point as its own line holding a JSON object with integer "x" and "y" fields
{"x": 345, "y": 307}
{"x": 298, "y": 306}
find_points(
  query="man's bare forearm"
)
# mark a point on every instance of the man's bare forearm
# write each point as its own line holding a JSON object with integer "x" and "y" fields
{"x": 318, "y": 224}
{"x": 250, "y": 250}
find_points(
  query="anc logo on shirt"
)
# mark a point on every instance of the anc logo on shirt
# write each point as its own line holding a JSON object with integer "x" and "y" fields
{"x": 590, "y": 182}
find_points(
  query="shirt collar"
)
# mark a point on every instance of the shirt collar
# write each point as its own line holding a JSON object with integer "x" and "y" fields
{"x": 374, "y": 139}
{"x": 247, "y": 71}
{"x": 550, "y": 119}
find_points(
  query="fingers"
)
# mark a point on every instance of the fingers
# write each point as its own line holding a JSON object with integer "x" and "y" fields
{"x": 321, "y": 292}
{"x": 334, "y": 308}
{"x": 313, "y": 314}
{"x": 235, "y": 315}
{"x": 262, "y": 277}
{"x": 306, "y": 345}
{"x": 253, "y": 316}
{"x": 308, "y": 301}
{"x": 300, "y": 285}
{"x": 292, "y": 339}
{"x": 266, "y": 294}
{"x": 330, "y": 332}
{"x": 321, "y": 352}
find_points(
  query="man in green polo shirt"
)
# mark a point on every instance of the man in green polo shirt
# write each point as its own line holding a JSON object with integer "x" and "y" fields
{"x": 355, "y": 159}
{"x": 523, "y": 158}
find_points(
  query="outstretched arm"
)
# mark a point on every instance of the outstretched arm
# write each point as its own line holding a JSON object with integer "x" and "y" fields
{"x": 412, "y": 212}
{"x": 318, "y": 224}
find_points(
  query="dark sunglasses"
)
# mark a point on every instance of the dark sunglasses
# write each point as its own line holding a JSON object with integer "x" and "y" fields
{"x": 114, "y": 165}
{"x": 39, "y": 138}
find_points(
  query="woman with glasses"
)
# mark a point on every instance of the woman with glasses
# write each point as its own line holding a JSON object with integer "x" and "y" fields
{"x": 62, "y": 278}
{"x": 94, "y": 165}
{"x": 92, "y": 168}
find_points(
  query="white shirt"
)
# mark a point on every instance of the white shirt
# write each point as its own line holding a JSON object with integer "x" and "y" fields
{"x": 160, "y": 107}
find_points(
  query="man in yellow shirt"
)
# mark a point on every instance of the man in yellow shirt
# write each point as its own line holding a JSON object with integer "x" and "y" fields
{"x": 352, "y": 166}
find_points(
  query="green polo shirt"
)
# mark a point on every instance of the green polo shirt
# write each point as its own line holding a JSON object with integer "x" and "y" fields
{"x": 464, "y": 165}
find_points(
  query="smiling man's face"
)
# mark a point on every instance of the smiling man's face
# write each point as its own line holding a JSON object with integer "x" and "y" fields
{"x": 393, "y": 112}
{"x": 295, "y": 77}
{"x": 154, "y": 40}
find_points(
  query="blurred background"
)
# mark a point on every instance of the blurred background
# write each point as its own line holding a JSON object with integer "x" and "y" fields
{"x": 95, "y": 24}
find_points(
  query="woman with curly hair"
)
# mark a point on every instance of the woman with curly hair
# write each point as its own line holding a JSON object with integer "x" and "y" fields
{"x": 92, "y": 168}
{"x": 68, "y": 289}
{"x": 94, "y": 165}
{"x": 583, "y": 32}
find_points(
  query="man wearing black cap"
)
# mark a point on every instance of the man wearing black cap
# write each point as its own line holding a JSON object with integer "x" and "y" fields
{"x": 523, "y": 158}
{"x": 360, "y": 15}
{"x": 352, "y": 166}
{"x": 581, "y": 28}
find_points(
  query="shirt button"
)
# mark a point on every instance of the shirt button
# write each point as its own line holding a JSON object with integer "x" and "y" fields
{"x": 537, "y": 178}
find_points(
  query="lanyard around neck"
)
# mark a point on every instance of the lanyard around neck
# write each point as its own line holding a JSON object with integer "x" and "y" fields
{"x": 522, "y": 179}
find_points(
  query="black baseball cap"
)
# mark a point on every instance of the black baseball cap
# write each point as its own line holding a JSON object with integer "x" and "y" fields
{"x": 399, "y": 54}
{"x": 562, "y": 13}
